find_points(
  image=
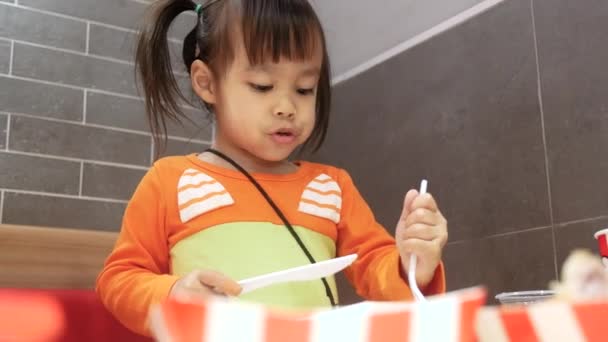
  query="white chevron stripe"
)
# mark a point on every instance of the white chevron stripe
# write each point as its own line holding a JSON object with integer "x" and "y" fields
{"x": 190, "y": 172}
{"x": 328, "y": 326}
{"x": 205, "y": 206}
{"x": 555, "y": 322}
{"x": 427, "y": 317}
{"x": 187, "y": 195}
{"x": 231, "y": 322}
{"x": 489, "y": 326}
{"x": 322, "y": 177}
{"x": 311, "y": 209}
{"x": 330, "y": 199}
{"x": 193, "y": 180}
{"x": 324, "y": 187}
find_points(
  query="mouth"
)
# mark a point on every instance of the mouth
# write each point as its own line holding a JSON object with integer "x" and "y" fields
{"x": 284, "y": 135}
{"x": 285, "y": 132}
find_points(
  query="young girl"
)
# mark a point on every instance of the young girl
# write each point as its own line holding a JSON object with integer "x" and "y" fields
{"x": 197, "y": 224}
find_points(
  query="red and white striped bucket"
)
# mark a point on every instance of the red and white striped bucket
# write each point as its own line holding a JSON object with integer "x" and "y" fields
{"x": 443, "y": 318}
{"x": 544, "y": 322}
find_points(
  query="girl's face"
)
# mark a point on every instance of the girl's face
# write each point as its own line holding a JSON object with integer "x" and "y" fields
{"x": 265, "y": 111}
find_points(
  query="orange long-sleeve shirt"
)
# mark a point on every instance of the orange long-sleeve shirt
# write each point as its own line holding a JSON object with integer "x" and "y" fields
{"x": 187, "y": 214}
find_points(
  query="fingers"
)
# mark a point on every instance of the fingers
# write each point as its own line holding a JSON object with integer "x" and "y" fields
{"x": 199, "y": 285}
{"x": 414, "y": 201}
{"x": 219, "y": 283}
{"x": 420, "y": 232}
{"x": 421, "y": 248}
{"x": 425, "y": 201}
{"x": 191, "y": 294}
{"x": 422, "y": 216}
{"x": 407, "y": 203}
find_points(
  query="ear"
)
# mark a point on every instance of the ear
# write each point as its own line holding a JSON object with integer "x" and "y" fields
{"x": 203, "y": 82}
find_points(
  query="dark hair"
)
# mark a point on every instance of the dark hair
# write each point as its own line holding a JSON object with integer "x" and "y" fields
{"x": 270, "y": 29}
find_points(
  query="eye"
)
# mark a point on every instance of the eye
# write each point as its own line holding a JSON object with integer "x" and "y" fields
{"x": 260, "y": 87}
{"x": 309, "y": 91}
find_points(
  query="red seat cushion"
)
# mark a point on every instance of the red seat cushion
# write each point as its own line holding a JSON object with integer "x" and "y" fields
{"x": 76, "y": 315}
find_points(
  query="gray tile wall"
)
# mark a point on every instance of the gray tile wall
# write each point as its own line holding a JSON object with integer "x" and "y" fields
{"x": 5, "y": 56}
{"x": 464, "y": 110}
{"x": 3, "y": 122}
{"x": 78, "y": 141}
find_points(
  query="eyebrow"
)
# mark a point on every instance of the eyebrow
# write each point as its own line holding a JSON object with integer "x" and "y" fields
{"x": 314, "y": 71}
{"x": 308, "y": 72}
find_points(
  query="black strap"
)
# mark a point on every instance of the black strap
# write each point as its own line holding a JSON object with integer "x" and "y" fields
{"x": 280, "y": 214}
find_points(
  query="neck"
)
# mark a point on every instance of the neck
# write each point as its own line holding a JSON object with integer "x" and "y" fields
{"x": 247, "y": 161}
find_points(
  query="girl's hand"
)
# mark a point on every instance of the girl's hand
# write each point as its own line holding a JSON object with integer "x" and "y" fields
{"x": 200, "y": 284}
{"x": 423, "y": 231}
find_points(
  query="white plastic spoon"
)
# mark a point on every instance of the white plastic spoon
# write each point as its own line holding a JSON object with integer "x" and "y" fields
{"x": 411, "y": 275}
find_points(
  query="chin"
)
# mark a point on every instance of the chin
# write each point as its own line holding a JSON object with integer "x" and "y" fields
{"x": 274, "y": 155}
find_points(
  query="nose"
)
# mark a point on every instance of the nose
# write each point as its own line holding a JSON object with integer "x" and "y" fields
{"x": 285, "y": 108}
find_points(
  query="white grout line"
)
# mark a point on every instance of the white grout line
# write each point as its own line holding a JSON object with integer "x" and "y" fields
{"x": 113, "y": 27}
{"x": 131, "y": 31}
{"x": 142, "y": 2}
{"x": 66, "y": 16}
{"x": 99, "y": 91}
{"x": 418, "y": 39}
{"x": 109, "y": 128}
{"x": 73, "y": 52}
{"x": 151, "y": 150}
{"x": 1, "y": 204}
{"x": 83, "y": 54}
{"x": 585, "y": 220}
{"x": 21, "y": 78}
{"x": 87, "y": 52}
{"x": 11, "y": 58}
{"x": 46, "y": 118}
{"x": 544, "y": 136}
{"x": 81, "y": 179}
{"x": 11, "y": 41}
{"x": 84, "y": 106}
{"x": 118, "y": 129}
{"x": 131, "y": 97}
{"x": 499, "y": 235}
{"x": 78, "y": 160}
{"x": 111, "y": 93}
{"x": 125, "y": 130}
{"x": 88, "y": 38}
{"x": 52, "y": 194}
{"x": 8, "y": 130}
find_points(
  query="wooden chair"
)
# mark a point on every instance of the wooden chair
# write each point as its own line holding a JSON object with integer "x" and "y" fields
{"x": 39, "y": 258}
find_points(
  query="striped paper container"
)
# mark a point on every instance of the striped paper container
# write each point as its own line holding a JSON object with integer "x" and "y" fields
{"x": 443, "y": 318}
{"x": 602, "y": 242}
{"x": 548, "y": 321}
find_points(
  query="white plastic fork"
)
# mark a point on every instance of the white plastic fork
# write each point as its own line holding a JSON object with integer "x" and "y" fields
{"x": 411, "y": 275}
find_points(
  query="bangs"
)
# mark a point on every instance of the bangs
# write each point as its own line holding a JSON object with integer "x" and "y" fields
{"x": 275, "y": 29}
{"x": 269, "y": 31}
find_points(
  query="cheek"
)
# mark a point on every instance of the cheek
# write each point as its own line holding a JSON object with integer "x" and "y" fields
{"x": 310, "y": 112}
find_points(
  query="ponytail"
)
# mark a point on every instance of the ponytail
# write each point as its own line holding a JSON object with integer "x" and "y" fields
{"x": 153, "y": 66}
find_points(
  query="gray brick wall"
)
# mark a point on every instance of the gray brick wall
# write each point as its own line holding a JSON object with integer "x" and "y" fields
{"x": 74, "y": 141}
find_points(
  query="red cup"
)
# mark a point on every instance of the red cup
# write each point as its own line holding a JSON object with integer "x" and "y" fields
{"x": 29, "y": 316}
{"x": 602, "y": 241}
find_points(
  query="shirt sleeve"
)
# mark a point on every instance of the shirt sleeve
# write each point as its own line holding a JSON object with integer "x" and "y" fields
{"x": 135, "y": 275}
{"x": 377, "y": 272}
